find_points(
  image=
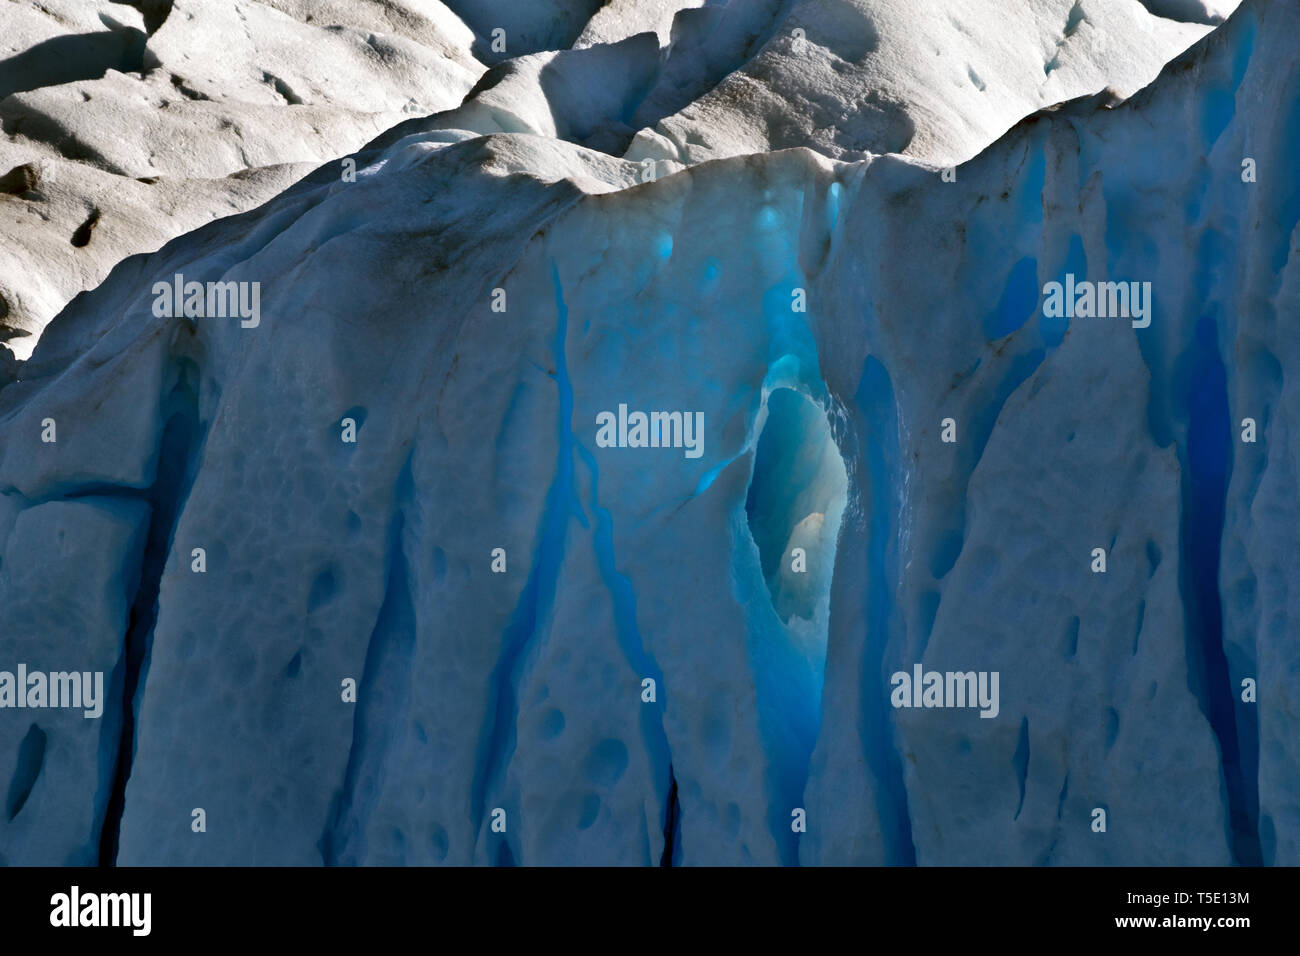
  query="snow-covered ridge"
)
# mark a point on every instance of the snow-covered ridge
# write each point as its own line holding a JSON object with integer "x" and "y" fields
{"x": 938, "y": 80}
{"x": 128, "y": 124}
{"x": 524, "y": 691}
{"x": 126, "y": 127}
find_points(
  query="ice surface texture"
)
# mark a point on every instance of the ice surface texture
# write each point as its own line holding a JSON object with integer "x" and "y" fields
{"x": 476, "y": 430}
{"x": 156, "y": 120}
{"x": 141, "y": 121}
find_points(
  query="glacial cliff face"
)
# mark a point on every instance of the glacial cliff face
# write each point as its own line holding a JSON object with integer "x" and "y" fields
{"x": 500, "y": 580}
{"x": 126, "y": 124}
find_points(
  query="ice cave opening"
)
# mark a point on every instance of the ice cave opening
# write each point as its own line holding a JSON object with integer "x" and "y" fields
{"x": 796, "y": 498}
{"x": 797, "y": 495}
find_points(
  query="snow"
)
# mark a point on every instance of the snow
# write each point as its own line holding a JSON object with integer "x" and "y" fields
{"x": 825, "y": 317}
{"x": 138, "y": 124}
{"x": 938, "y": 81}
{"x": 524, "y": 27}
{"x": 620, "y": 19}
{"x": 129, "y": 119}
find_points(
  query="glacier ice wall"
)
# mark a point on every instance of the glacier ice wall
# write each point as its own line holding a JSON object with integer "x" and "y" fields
{"x": 121, "y": 126}
{"x": 524, "y": 691}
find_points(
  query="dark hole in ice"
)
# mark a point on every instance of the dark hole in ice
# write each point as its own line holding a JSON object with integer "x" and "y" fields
{"x": 796, "y": 498}
{"x": 31, "y": 758}
{"x": 81, "y": 238}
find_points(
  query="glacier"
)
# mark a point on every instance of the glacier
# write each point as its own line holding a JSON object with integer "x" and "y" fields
{"x": 121, "y": 132}
{"x": 571, "y": 654}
